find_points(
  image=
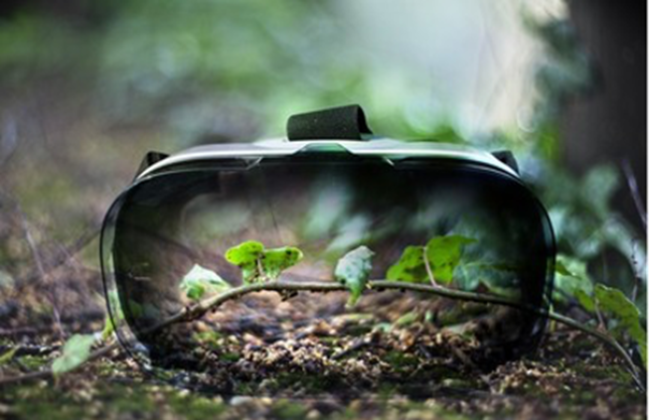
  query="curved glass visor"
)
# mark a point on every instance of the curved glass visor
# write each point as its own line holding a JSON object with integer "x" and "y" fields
{"x": 488, "y": 233}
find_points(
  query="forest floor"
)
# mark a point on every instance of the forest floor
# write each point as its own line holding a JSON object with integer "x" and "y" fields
{"x": 307, "y": 358}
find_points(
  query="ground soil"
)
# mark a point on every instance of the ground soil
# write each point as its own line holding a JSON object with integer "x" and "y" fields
{"x": 310, "y": 357}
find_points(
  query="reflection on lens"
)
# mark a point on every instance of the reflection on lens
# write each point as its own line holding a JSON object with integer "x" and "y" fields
{"x": 165, "y": 241}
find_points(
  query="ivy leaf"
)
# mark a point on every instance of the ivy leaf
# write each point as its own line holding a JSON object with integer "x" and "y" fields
{"x": 443, "y": 253}
{"x": 75, "y": 352}
{"x": 275, "y": 261}
{"x": 410, "y": 267}
{"x": 496, "y": 276}
{"x": 258, "y": 263}
{"x": 200, "y": 280}
{"x": 615, "y": 303}
{"x": 562, "y": 269}
{"x": 353, "y": 270}
{"x": 573, "y": 280}
{"x": 246, "y": 256}
{"x": 7, "y": 356}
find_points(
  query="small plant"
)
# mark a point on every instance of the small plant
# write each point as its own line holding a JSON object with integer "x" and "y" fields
{"x": 75, "y": 352}
{"x": 613, "y": 311}
{"x": 259, "y": 264}
{"x": 434, "y": 263}
{"x": 353, "y": 271}
{"x": 200, "y": 281}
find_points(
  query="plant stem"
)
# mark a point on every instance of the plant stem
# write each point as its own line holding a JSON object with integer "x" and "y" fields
{"x": 427, "y": 265}
{"x": 212, "y": 303}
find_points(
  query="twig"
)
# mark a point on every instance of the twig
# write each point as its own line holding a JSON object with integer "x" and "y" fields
{"x": 48, "y": 374}
{"x": 4, "y": 332}
{"x": 29, "y": 350}
{"x": 212, "y": 303}
{"x": 638, "y": 277}
{"x": 634, "y": 191}
{"x": 357, "y": 345}
{"x": 427, "y": 265}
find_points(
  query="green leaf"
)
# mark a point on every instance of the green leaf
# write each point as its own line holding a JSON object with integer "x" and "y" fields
{"x": 407, "y": 319}
{"x": 258, "y": 263}
{"x": 410, "y": 267}
{"x": 613, "y": 302}
{"x": 75, "y": 352}
{"x": 498, "y": 277}
{"x": 443, "y": 253}
{"x": 245, "y": 253}
{"x": 353, "y": 270}
{"x": 7, "y": 356}
{"x": 200, "y": 280}
{"x": 246, "y": 256}
{"x": 572, "y": 280}
{"x": 562, "y": 269}
{"x": 275, "y": 261}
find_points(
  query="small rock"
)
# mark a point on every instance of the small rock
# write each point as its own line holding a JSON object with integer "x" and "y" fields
{"x": 240, "y": 400}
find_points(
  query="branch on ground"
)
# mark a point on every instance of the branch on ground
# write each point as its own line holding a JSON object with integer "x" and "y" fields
{"x": 212, "y": 303}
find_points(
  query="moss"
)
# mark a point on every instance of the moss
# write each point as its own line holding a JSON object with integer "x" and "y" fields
{"x": 51, "y": 410}
{"x": 211, "y": 339}
{"x": 330, "y": 341}
{"x": 602, "y": 372}
{"x": 196, "y": 407}
{"x": 33, "y": 362}
{"x": 36, "y": 402}
{"x": 230, "y": 357}
{"x": 401, "y": 361}
{"x": 358, "y": 330}
{"x": 288, "y": 410}
{"x": 53, "y": 402}
{"x": 627, "y": 393}
{"x": 123, "y": 399}
{"x": 244, "y": 388}
{"x": 312, "y": 384}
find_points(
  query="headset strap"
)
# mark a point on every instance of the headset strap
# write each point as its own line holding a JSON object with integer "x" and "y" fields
{"x": 341, "y": 123}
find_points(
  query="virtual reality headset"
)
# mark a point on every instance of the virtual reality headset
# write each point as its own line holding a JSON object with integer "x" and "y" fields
{"x": 327, "y": 188}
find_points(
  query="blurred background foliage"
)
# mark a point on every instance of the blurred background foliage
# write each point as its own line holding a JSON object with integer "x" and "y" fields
{"x": 87, "y": 87}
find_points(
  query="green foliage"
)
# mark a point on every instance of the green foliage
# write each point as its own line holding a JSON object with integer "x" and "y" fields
{"x": 584, "y": 222}
{"x": 572, "y": 281}
{"x": 275, "y": 261}
{"x": 614, "y": 303}
{"x": 407, "y": 319}
{"x": 353, "y": 270}
{"x": 200, "y": 280}
{"x": 260, "y": 264}
{"x": 410, "y": 267}
{"x": 246, "y": 256}
{"x": 7, "y": 356}
{"x": 75, "y": 352}
{"x": 443, "y": 254}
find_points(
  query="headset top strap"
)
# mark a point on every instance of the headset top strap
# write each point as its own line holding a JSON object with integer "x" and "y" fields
{"x": 341, "y": 123}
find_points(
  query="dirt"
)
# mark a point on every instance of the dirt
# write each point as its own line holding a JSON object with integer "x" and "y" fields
{"x": 309, "y": 357}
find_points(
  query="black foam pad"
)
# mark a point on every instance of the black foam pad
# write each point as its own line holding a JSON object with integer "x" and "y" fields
{"x": 341, "y": 123}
